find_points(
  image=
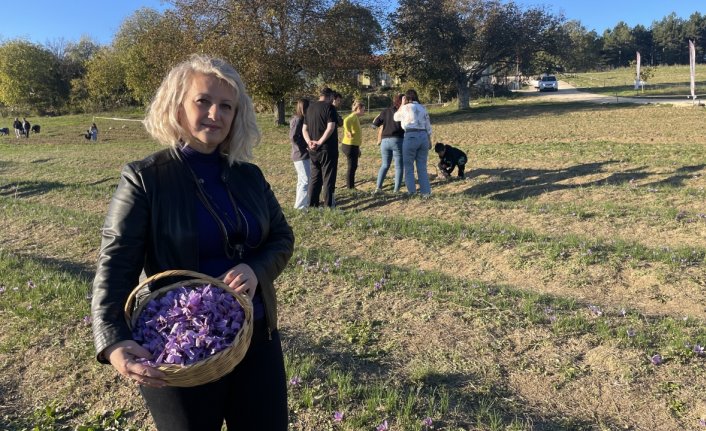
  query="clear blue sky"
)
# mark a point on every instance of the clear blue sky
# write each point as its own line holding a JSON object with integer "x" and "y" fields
{"x": 600, "y": 15}
{"x": 45, "y": 21}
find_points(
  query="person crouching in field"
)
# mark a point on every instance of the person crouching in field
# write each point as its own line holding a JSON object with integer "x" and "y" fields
{"x": 352, "y": 139}
{"x": 450, "y": 158}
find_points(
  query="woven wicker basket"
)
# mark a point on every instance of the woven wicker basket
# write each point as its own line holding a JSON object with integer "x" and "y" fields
{"x": 214, "y": 367}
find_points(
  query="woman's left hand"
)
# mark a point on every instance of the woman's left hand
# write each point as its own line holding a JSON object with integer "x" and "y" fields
{"x": 242, "y": 279}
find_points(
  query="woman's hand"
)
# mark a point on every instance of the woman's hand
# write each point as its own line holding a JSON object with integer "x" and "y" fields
{"x": 123, "y": 357}
{"x": 242, "y": 279}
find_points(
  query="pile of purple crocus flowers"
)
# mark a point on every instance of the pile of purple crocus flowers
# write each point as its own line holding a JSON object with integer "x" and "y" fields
{"x": 188, "y": 324}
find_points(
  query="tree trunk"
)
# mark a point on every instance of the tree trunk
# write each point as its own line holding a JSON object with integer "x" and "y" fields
{"x": 464, "y": 93}
{"x": 279, "y": 113}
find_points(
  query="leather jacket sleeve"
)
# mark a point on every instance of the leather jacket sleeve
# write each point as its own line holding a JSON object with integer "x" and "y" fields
{"x": 121, "y": 260}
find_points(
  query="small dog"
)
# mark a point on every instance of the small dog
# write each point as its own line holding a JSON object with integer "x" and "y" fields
{"x": 4, "y": 131}
{"x": 36, "y": 128}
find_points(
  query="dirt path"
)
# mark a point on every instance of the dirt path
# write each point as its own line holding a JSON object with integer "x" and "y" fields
{"x": 569, "y": 93}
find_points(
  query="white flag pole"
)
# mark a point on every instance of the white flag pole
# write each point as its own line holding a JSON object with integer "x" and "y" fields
{"x": 638, "y": 81}
{"x": 692, "y": 67}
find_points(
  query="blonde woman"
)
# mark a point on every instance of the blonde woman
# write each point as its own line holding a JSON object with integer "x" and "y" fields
{"x": 198, "y": 205}
{"x": 352, "y": 139}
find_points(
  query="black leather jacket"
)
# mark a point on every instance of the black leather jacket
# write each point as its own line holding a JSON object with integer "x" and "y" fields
{"x": 151, "y": 225}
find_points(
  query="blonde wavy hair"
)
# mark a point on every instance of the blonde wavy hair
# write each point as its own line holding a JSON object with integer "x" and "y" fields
{"x": 162, "y": 119}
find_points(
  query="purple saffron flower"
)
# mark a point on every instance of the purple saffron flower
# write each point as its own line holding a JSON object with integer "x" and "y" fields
{"x": 595, "y": 310}
{"x": 2, "y": 289}
{"x": 383, "y": 426}
{"x": 657, "y": 359}
{"x": 699, "y": 350}
{"x": 623, "y": 312}
{"x": 295, "y": 381}
{"x": 337, "y": 263}
{"x": 378, "y": 286}
{"x": 631, "y": 332}
{"x": 87, "y": 320}
{"x": 702, "y": 422}
{"x": 31, "y": 284}
{"x": 187, "y": 325}
{"x": 427, "y": 422}
{"x": 337, "y": 416}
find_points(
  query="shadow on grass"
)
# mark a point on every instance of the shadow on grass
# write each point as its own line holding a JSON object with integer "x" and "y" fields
{"x": 680, "y": 175}
{"x": 513, "y": 184}
{"x": 23, "y": 189}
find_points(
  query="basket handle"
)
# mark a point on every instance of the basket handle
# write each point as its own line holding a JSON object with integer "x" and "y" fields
{"x": 160, "y": 275}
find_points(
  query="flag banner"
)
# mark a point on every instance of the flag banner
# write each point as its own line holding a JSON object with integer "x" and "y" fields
{"x": 638, "y": 81}
{"x": 692, "y": 67}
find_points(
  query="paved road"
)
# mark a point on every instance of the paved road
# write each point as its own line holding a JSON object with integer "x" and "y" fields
{"x": 568, "y": 93}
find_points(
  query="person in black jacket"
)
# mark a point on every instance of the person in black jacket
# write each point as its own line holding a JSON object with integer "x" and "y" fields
{"x": 449, "y": 159}
{"x": 198, "y": 205}
{"x": 390, "y": 137}
{"x": 26, "y": 126}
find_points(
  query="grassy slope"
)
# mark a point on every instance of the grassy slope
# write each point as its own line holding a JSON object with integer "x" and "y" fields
{"x": 530, "y": 296}
{"x": 667, "y": 81}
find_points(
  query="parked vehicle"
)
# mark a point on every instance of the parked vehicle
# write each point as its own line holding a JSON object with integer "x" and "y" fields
{"x": 548, "y": 83}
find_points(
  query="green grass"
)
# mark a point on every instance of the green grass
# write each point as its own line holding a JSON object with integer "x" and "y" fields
{"x": 572, "y": 255}
{"x": 667, "y": 81}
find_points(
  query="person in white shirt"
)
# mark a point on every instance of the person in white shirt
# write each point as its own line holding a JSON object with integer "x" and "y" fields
{"x": 417, "y": 142}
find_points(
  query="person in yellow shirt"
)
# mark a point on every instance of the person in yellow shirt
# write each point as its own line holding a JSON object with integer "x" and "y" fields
{"x": 352, "y": 138}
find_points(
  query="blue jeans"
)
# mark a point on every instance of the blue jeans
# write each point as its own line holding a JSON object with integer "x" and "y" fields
{"x": 391, "y": 148}
{"x": 303, "y": 173}
{"x": 415, "y": 151}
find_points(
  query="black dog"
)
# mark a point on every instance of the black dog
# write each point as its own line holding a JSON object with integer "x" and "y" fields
{"x": 4, "y": 131}
{"x": 36, "y": 128}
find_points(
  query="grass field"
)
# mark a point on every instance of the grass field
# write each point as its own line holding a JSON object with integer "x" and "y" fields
{"x": 667, "y": 81}
{"x": 560, "y": 287}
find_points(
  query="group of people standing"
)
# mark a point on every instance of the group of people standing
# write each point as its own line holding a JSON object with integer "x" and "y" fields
{"x": 405, "y": 136}
{"x": 22, "y": 128}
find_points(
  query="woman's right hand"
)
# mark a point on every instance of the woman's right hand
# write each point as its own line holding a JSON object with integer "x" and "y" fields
{"x": 123, "y": 357}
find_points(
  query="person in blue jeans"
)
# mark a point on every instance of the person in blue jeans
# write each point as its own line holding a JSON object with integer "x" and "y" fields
{"x": 416, "y": 143}
{"x": 390, "y": 141}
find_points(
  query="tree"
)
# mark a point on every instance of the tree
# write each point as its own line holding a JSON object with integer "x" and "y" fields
{"x": 268, "y": 41}
{"x": 644, "y": 43}
{"x": 582, "y": 53}
{"x": 618, "y": 45}
{"x": 695, "y": 29}
{"x": 344, "y": 44}
{"x": 669, "y": 40}
{"x": 104, "y": 85}
{"x": 149, "y": 44}
{"x": 460, "y": 40}
{"x": 30, "y": 78}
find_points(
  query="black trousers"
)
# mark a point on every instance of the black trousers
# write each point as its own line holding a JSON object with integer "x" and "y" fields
{"x": 324, "y": 167}
{"x": 252, "y": 397}
{"x": 352, "y": 153}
